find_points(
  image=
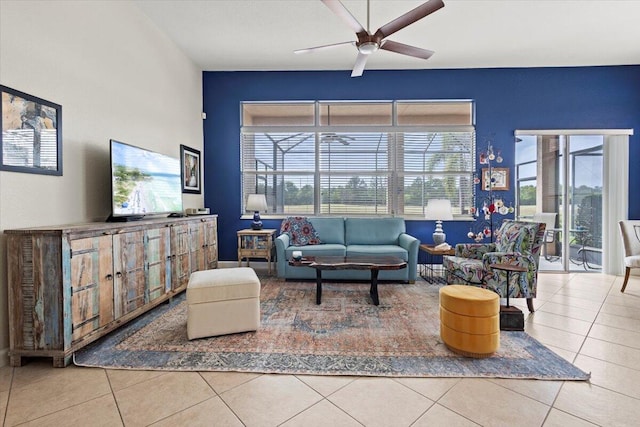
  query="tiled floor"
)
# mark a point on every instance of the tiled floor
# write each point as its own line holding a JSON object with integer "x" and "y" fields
{"x": 583, "y": 317}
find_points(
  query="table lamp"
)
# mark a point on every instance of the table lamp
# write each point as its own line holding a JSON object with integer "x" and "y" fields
{"x": 256, "y": 203}
{"x": 439, "y": 210}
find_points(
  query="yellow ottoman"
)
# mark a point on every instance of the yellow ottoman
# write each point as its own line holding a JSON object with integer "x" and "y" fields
{"x": 470, "y": 320}
{"x": 222, "y": 301}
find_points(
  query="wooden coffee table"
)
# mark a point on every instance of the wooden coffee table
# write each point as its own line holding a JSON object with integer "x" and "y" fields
{"x": 372, "y": 263}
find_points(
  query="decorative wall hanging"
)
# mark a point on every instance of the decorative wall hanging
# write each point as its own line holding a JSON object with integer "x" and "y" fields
{"x": 190, "y": 165}
{"x": 31, "y": 138}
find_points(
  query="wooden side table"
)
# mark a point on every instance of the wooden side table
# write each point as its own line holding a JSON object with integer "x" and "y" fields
{"x": 433, "y": 255}
{"x": 256, "y": 244}
{"x": 511, "y": 318}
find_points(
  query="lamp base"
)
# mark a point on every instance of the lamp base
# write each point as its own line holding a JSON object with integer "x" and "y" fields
{"x": 439, "y": 238}
{"x": 257, "y": 223}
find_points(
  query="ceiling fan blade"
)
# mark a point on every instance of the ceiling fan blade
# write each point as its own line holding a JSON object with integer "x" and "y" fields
{"x": 409, "y": 18}
{"x": 405, "y": 49}
{"x": 358, "y": 68}
{"x": 326, "y": 46}
{"x": 338, "y": 8}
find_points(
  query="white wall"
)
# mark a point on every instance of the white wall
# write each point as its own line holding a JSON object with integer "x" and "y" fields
{"x": 116, "y": 76}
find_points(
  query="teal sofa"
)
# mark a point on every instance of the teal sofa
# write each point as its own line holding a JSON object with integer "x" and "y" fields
{"x": 352, "y": 237}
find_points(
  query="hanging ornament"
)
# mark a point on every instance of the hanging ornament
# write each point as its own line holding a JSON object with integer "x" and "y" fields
{"x": 492, "y": 208}
{"x": 483, "y": 159}
{"x": 503, "y": 210}
{"x": 471, "y": 234}
{"x": 511, "y": 209}
{"x": 476, "y": 179}
{"x": 499, "y": 203}
{"x": 499, "y": 159}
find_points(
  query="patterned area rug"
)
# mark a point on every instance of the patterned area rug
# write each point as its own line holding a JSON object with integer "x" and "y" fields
{"x": 345, "y": 335}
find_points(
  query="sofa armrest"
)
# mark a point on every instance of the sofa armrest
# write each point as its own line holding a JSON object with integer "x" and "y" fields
{"x": 282, "y": 243}
{"x": 412, "y": 245}
{"x": 496, "y": 279}
{"x": 474, "y": 250}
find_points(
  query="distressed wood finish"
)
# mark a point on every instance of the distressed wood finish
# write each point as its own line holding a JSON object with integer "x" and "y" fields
{"x": 70, "y": 285}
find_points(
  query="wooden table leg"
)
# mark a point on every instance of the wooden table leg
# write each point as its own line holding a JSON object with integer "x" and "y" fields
{"x": 374, "y": 287}
{"x": 318, "y": 286}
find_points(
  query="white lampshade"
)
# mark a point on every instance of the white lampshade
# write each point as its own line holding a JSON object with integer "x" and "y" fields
{"x": 439, "y": 209}
{"x": 256, "y": 203}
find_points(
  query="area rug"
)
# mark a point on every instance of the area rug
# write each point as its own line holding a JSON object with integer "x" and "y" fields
{"x": 345, "y": 335}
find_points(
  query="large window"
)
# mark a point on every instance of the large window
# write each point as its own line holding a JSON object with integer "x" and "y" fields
{"x": 358, "y": 158}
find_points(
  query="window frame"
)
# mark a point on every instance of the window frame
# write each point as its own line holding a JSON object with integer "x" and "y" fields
{"x": 395, "y": 173}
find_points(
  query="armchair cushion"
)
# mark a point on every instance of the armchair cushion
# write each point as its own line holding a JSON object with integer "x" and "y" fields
{"x": 517, "y": 242}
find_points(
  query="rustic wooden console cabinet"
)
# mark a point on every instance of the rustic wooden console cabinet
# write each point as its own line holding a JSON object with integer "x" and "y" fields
{"x": 70, "y": 285}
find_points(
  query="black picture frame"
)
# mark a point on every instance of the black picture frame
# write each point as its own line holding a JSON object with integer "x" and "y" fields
{"x": 31, "y": 133}
{"x": 190, "y": 165}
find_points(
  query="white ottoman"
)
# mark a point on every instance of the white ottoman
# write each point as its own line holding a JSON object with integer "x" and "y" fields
{"x": 222, "y": 301}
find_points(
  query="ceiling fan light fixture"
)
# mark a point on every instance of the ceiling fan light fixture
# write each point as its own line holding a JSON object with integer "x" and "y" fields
{"x": 367, "y": 48}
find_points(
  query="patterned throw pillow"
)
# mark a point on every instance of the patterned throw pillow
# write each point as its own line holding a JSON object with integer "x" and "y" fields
{"x": 300, "y": 231}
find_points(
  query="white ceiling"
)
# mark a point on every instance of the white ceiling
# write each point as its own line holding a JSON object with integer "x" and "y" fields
{"x": 224, "y": 35}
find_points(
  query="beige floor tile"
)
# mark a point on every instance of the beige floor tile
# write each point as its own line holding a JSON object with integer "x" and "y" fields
{"x": 4, "y": 398}
{"x": 567, "y": 355}
{"x": 627, "y": 299}
{"x": 615, "y": 335}
{"x": 563, "y": 323}
{"x": 619, "y": 322}
{"x": 613, "y": 353}
{"x": 211, "y": 412}
{"x": 562, "y": 419}
{"x": 632, "y": 312}
{"x": 479, "y": 400}
{"x": 439, "y": 416}
{"x": 323, "y": 413}
{"x": 53, "y": 391}
{"x": 380, "y": 402}
{"x": 327, "y": 384}
{"x": 152, "y": 400}
{"x": 555, "y": 337}
{"x": 542, "y": 391}
{"x": 572, "y": 301}
{"x": 224, "y": 381}
{"x": 123, "y": 378}
{"x": 99, "y": 412}
{"x": 259, "y": 402}
{"x": 595, "y": 295}
{"x": 611, "y": 376}
{"x": 40, "y": 370}
{"x": 572, "y": 312}
{"x": 6, "y": 375}
{"x": 433, "y": 388}
{"x": 598, "y": 405}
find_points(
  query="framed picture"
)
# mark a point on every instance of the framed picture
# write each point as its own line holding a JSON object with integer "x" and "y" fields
{"x": 190, "y": 167}
{"x": 31, "y": 138}
{"x": 499, "y": 179}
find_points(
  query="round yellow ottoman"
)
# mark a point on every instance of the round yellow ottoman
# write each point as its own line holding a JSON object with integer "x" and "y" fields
{"x": 470, "y": 320}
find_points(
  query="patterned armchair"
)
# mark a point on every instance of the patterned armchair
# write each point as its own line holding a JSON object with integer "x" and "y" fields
{"x": 517, "y": 242}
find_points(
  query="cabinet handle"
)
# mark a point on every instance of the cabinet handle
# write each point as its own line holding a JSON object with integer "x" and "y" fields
{"x": 109, "y": 276}
{"x": 107, "y": 233}
{"x": 118, "y": 274}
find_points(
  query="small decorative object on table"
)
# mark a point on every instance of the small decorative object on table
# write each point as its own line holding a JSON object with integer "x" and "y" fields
{"x": 439, "y": 210}
{"x": 296, "y": 255}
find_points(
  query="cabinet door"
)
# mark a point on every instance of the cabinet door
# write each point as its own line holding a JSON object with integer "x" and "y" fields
{"x": 91, "y": 284}
{"x": 157, "y": 263}
{"x": 197, "y": 242}
{"x": 211, "y": 244}
{"x": 180, "y": 256}
{"x": 129, "y": 267}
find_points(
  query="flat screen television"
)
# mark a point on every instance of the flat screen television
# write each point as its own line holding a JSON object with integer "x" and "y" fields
{"x": 143, "y": 182}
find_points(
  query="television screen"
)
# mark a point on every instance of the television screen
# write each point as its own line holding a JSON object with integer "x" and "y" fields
{"x": 143, "y": 182}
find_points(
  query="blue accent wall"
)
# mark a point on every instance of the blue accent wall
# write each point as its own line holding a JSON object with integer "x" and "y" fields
{"x": 506, "y": 100}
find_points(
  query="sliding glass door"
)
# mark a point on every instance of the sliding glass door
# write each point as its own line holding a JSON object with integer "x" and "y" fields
{"x": 561, "y": 176}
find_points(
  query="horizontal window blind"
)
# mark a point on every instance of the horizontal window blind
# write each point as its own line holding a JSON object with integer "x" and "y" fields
{"x": 358, "y": 170}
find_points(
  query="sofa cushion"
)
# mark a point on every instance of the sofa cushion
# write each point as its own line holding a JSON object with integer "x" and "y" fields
{"x": 365, "y": 231}
{"x": 380, "y": 250}
{"x": 300, "y": 230}
{"x": 330, "y": 230}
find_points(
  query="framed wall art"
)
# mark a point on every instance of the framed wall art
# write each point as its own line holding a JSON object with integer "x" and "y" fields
{"x": 190, "y": 166}
{"x": 31, "y": 138}
{"x": 499, "y": 179}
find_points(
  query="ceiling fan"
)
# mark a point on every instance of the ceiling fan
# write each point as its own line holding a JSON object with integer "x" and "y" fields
{"x": 369, "y": 43}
